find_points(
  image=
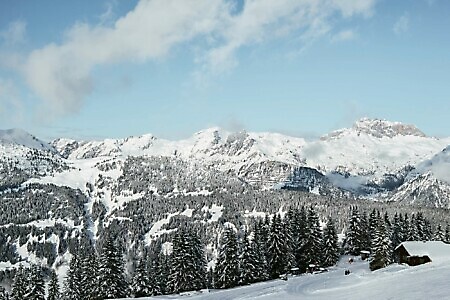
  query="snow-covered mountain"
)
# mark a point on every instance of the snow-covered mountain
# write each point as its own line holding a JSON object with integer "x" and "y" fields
{"x": 372, "y": 156}
{"x": 23, "y": 138}
{"x": 428, "y": 184}
{"x": 369, "y": 150}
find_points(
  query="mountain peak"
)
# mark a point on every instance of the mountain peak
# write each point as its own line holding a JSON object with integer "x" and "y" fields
{"x": 16, "y": 136}
{"x": 377, "y": 128}
{"x": 381, "y": 128}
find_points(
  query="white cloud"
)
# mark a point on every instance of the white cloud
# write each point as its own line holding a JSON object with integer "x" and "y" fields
{"x": 60, "y": 74}
{"x": 108, "y": 15}
{"x": 14, "y": 33}
{"x": 402, "y": 24}
{"x": 344, "y": 35}
{"x": 11, "y": 105}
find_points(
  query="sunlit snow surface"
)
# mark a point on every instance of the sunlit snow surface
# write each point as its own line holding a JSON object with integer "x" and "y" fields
{"x": 429, "y": 281}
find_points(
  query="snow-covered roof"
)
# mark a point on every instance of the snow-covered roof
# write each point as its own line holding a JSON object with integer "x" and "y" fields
{"x": 435, "y": 250}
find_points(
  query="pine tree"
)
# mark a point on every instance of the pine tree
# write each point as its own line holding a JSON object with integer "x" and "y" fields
{"x": 210, "y": 278}
{"x": 405, "y": 224}
{"x": 163, "y": 272}
{"x": 353, "y": 242}
{"x": 20, "y": 284}
{"x": 421, "y": 227}
{"x": 439, "y": 234}
{"x": 396, "y": 231}
{"x": 53, "y": 287}
{"x": 382, "y": 249}
{"x": 330, "y": 248}
{"x": 140, "y": 285}
{"x": 227, "y": 267}
{"x": 111, "y": 277}
{"x": 37, "y": 285}
{"x": 3, "y": 294}
{"x": 413, "y": 234}
{"x": 88, "y": 276}
{"x": 314, "y": 239}
{"x": 365, "y": 233}
{"x": 259, "y": 246}
{"x": 154, "y": 274}
{"x": 300, "y": 240}
{"x": 279, "y": 252}
{"x": 248, "y": 263}
{"x": 188, "y": 265}
{"x": 199, "y": 260}
{"x": 72, "y": 286}
{"x": 447, "y": 233}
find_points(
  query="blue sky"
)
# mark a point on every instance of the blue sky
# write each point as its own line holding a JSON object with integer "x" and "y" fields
{"x": 95, "y": 69}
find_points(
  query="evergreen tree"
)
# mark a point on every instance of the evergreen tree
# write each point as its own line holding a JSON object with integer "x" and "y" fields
{"x": 163, "y": 272}
{"x": 140, "y": 284}
{"x": 37, "y": 285}
{"x": 373, "y": 225}
{"x": 88, "y": 276}
{"x": 300, "y": 240}
{"x": 210, "y": 278}
{"x": 248, "y": 263}
{"x": 330, "y": 248}
{"x": 428, "y": 231}
{"x": 3, "y": 294}
{"x": 199, "y": 260}
{"x": 314, "y": 239}
{"x": 53, "y": 287}
{"x": 353, "y": 241}
{"x": 404, "y": 221}
{"x": 447, "y": 233}
{"x": 413, "y": 234}
{"x": 188, "y": 263}
{"x": 259, "y": 246}
{"x": 227, "y": 267}
{"x": 20, "y": 284}
{"x": 111, "y": 277}
{"x": 279, "y": 252}
{"x": 365, "y": 233}
{"x": 420, "y": 226}
{"x": 72, "y": 287}
{"x": 382, "y": 249}
{"x": 154, "y": 275}
{"x": 396, "y": 231}
{"x": 439, "y": 234}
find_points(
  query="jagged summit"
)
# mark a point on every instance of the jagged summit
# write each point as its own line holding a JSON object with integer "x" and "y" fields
{"x": 377, "y": 128}
{"x": 380, "y": 128}
{"x": 20, "y": 137}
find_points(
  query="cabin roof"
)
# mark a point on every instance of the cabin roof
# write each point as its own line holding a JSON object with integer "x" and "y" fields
{"x": 435, "y": 250}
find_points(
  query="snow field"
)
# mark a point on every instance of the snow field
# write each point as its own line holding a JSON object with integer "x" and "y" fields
{"x": 429, "y": 281}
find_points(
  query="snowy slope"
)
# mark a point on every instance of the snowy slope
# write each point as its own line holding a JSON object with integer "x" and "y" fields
{"x": 23, "y": 138}
{"x": 429, "y": 281}
{"x": 428, "y": 184}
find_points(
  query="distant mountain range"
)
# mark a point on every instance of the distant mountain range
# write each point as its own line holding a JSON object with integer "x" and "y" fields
{"x": 374, "y": 158}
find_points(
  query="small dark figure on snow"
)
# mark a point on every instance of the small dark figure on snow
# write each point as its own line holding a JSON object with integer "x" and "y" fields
{"x": 347, "y": 272}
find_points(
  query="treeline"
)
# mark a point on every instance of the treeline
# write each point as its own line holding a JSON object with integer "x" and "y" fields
{"x": 381, "y": 234}
{"x": 266, "y": 248}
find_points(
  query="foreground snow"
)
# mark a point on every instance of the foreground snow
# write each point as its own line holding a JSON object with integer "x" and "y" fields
{"x": 429, "y": 281}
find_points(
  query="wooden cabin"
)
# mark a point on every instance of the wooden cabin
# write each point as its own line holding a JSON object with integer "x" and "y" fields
{"x": 416, "y": 253}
